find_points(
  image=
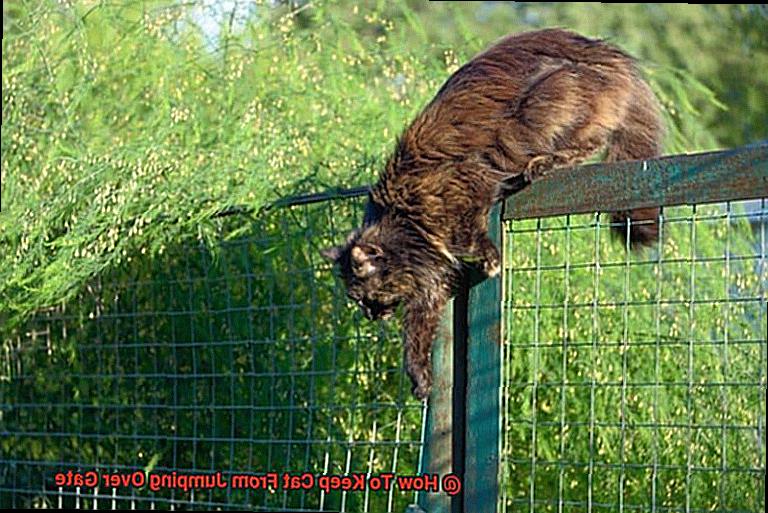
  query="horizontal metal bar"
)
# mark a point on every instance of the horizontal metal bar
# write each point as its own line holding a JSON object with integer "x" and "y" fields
{"x": 333, "y": 194}
{"x": 729, "y": 175}
{"x": 292, "y": 201}
{"x": 737, "y": 174}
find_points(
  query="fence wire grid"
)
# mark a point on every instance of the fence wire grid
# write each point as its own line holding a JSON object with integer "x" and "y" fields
{"x": 247, "y": 361}
{"x": 635, "y": 382}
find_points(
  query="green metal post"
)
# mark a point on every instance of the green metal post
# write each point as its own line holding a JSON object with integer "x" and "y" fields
{"x": 483, "y": 389}
{"x": 438, "y": 454}
{"x": 463, "y": 420}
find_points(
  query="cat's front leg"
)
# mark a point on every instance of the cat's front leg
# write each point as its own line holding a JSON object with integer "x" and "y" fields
{"x": 481, "y": 250}
{"x": 422, "y": 316}
{"x": 490, "y": 257}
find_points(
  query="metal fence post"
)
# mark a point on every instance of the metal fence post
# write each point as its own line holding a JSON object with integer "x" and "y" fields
{"x": 463, "y": 420}
{"x": 438, "y": 455}
{"x": 483, "y": 389}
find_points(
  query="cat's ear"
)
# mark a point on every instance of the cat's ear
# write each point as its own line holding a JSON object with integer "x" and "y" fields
{"x": 332, "y": 253}
{"x": 364, "y": 258}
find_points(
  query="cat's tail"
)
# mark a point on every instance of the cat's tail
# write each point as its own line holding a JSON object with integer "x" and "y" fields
{"x": 638, "y": 137}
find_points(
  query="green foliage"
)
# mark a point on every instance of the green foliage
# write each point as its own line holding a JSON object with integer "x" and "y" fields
{"x": 251, "y": 362}
{"x": 123, "y": 132}
{"x": 124, "y": 129}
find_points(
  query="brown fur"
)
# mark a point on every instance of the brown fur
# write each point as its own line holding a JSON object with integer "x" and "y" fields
{"x": 530, "y": 103}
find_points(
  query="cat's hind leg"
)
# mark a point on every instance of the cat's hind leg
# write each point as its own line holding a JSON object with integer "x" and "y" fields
{"x": 566, "y": 115}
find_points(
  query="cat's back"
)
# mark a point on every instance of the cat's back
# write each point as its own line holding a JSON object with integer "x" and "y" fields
{"x": 470, "y": 105}
{"x": 531, "y": 48}
{"x": 502, "y": 72}
{"x": 475, "y": 104}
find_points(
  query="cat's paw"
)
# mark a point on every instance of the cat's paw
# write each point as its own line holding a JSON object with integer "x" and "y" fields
{"x": 422, "y": 384}
{"x": 492, "y": 267}
{"x": 537, "y": 167}
{"x": 491, "y": 261}
{"x": 421, "y": 391}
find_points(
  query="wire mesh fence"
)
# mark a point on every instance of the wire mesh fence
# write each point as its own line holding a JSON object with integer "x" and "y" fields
{"x": 635, "y": 382}
{"x": 245, "y": 361}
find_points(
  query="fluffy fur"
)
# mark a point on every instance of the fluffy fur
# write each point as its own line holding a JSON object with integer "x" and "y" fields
{"x": 529, "y": 103}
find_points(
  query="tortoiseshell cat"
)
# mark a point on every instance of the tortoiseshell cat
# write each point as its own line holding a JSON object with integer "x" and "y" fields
{"x": 531, "y": 102}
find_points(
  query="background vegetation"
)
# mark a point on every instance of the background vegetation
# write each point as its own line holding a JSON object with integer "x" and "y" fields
{"x": 126, "y": 126}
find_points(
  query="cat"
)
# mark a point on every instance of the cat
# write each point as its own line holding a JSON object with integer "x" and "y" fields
{"x": 530, "y": 103}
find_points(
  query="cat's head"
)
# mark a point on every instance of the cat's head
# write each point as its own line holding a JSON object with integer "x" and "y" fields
{"x": 374, "y": 275}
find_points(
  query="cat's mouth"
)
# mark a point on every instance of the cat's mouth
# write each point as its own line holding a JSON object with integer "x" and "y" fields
{"x": 373, "y": 310}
